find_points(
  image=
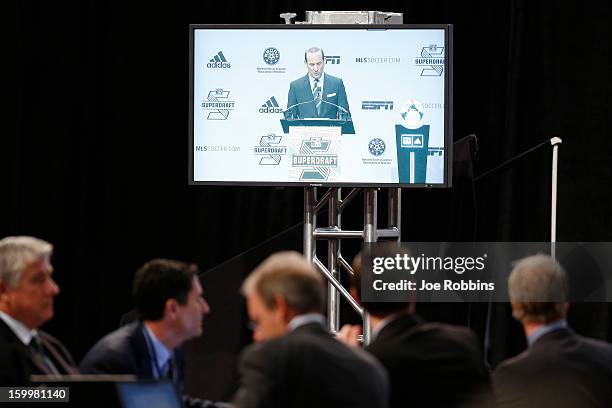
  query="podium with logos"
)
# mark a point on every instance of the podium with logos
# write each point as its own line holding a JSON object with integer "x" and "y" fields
{"x": 346, "y": 126}
{"x": 316, "y": 145}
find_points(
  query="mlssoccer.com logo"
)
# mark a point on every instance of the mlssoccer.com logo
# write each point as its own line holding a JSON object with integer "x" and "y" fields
{"x": 412, "y": 113}
{"x": 377, "y": 147}
{"x": 270, "y": 150}
{"x": 271, "y": 56}
{"x": 377, "y": 105}
{"x": 332, "y": 59}
{"x": 378, "y": 60}
{"x": 218, "y": 104}
{"x": 432, "y": 60}
{"x": 271, "y": 106}
{"x": 218, "y": 61}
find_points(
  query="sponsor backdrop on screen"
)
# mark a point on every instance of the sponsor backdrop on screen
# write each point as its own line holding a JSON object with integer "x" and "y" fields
{"x": 394, "y": 82}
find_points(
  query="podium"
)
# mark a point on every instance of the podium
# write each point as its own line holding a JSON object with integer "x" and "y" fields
{"x": 346, "y": 126}
{"x": 316, "y": 144}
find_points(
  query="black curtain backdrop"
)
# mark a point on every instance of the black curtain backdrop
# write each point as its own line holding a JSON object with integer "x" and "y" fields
{"x": 93, "y": 147}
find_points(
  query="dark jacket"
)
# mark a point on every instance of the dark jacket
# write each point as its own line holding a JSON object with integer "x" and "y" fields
{"x": 561, "y": 369}
{"x": 432, "y": 364}
{"x": 18, "y": 362}
{"x": 333, "y": 94}
{"x": 309, "y": 368}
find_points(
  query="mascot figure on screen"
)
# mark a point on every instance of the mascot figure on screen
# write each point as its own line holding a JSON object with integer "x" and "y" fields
{"x": 316, "y": 94}
{"x": 412, "y": 137}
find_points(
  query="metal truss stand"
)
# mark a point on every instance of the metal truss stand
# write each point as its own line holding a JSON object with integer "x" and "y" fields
{"x": 332, "y": 198}
{"x": 334, "y": 234}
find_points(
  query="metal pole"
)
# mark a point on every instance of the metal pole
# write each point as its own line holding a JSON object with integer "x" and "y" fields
{"x": 370, "y": 215}
{"x": 555, "y": 142}
{"x": 341, "y": 289}
{"x": 333, "y": 298}
{"x": 309, "y": 223}
{"x": 369, "y": 235}
{"x": 395, "y": 211}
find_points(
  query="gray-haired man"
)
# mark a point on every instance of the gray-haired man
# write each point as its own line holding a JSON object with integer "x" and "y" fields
{"x": 560, "y": 368}
{"x": 296, "y": 362}
{"x": 27, "y": 290}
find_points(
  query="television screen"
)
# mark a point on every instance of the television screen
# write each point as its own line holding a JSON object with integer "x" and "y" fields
{"x": 148, "y": 394}
{"x": 312, "y": 105}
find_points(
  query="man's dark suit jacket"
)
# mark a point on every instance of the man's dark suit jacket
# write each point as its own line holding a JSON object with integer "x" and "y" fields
{"x": 18, "y": 363}
{"x": 309, "y": 368}
{"x": 561, "y": 369}
{"x": 432, "y": 364}
{"x": 123, "y": 351}
{"x": 333, "y": 92}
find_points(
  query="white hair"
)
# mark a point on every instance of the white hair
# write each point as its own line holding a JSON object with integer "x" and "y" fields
{"x": 538, "y": 289}
{"x": 16, "y": 253}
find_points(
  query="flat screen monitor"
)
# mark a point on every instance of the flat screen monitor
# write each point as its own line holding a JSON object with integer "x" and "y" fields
{"x": 321, "y": 105}
{"x": 148, "y": 394}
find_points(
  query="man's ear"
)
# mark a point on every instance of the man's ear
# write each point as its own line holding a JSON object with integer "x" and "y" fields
{"x": 171, "y": 307}
{"x": 517, "y": 311}
{"x": 282, "y": 307}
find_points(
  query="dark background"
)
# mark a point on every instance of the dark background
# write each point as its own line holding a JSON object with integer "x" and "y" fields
{"x": 93, "y": 154}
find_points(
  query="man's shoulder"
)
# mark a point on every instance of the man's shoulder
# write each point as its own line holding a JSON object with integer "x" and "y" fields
{"x": 299, "y": 81}
{"x": 7, "y": 336}
{"x": 597, "y": 345}
{"x": 514, "y": 364}
{"x": 558, "y": 349}
{"x": 9, "y": 343}
{"x": 329, "y": 77}
{"x": 115, "y": 353}
{"x": 317, "y": 341}
{"x": 407, "y": 330}
{"x": 120, "y": 339}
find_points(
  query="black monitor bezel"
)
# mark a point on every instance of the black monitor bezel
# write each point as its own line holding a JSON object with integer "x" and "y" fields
{"x": 448, "y": 101}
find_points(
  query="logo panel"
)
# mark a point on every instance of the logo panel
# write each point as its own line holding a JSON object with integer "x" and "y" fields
{"x": 271, "y": 56}
{"x": 378, "y": 60}
{"x": 332, "y": 59}
{"x": 218, "y": 61}
{"x": 432, "y": 61}
{"x": 377, "y": 105}
{"x": 270, "y": 150}
{"x": 218, "y": 104}
{"x": 317, "y": 158}
{"x": 271, "y": 106}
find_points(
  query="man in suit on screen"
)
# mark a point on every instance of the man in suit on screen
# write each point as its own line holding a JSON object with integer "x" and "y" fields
{"x": 316, "y": 94}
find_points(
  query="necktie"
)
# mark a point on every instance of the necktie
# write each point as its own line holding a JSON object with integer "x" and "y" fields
{"x": 167, "y": 371}
{"x": 38, "y": 349}
{"x": 316, "y": 93}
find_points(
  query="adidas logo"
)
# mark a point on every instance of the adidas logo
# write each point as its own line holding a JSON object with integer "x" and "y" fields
{"x": 218, "y": 61}
{"x": 271, "y": 106}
